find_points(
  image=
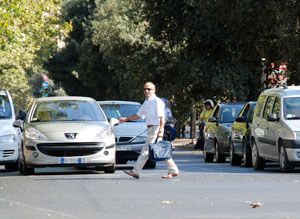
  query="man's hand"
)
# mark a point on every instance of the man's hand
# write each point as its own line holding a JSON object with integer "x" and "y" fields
{"x": 123, "y": 119}
{"x": 159, "y": 139}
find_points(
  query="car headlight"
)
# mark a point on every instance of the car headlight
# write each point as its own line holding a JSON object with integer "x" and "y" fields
{"x": 139, "y": 139}
{"x": 7, "y": 138}
{"x": 34, "y": 134}
{"x": 105, "y": 133}
{"x": 295, "y": 136}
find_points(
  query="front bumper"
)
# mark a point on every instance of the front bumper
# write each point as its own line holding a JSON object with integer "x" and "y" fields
{"x": 42, "y": 155}
{"x": 128, "y": 151}
{"x": 8, "y": 152}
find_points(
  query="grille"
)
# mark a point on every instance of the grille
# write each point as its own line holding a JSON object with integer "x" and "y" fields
{"x": 7, "y": 153}
{"x": 124, "y": 139}
{"x": 70, "y": 149}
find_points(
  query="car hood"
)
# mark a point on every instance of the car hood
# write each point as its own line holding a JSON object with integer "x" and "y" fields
{"x": 6, "y": 127}
{"x": 227, "y": 125}
{"x": 131, "y": 129}
{"x": 69, "y": 126}
{"x": 293, "y": 124}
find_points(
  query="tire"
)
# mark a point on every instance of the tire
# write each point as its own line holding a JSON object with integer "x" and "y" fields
{"x": 110, "y": 169}
{"x": 150, "y": 164}
{"x": 220, "y": 158}
{"x": 257, "y": 161}
{"x": 285, "y": 165}
{"x": 235, "y": 160}
{"x": 12, "y": 166}
{"x": 247, "y": 158}
{"x": 208, "y": 157}
{"x": 25, "y": 170}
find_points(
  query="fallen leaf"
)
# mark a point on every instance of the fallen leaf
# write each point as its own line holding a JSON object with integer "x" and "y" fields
{"x": 254, "y": 204}
{"x": 168, "y": 202}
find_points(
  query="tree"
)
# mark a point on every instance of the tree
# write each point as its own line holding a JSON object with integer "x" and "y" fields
{"x": 28, "y": 36}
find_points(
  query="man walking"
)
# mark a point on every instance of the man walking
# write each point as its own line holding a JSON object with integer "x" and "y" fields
{"x": 153, "y": 111}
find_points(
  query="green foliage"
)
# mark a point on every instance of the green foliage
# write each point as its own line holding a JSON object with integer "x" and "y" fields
{"x": 29, "y": 31}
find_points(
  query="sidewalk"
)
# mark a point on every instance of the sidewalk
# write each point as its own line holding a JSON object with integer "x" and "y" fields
{"x": 184, "y": 143}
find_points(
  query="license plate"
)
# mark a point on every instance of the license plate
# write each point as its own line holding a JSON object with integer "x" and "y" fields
{"x": 72, "y": 160}
{"x": 124, "y": 148}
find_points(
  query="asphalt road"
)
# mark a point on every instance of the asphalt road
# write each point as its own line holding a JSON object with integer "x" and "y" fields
{"x": 201, "y": 191}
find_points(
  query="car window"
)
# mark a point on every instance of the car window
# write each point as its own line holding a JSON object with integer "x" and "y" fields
{"x": 260, "y": 105}
{"x": 245, "y": 110}
{"x": 120, "y": 110}
{"x": 251, "y": 113}
{"x": 276, "y": 108}
{"x": 291, "y": 108}
{"x": 216, "y": 112}
{"x": 5, "y": 109}
{"x": 67, "y": 110}
{"x": 229, "y": 113}
{"x": 269, "y": 106}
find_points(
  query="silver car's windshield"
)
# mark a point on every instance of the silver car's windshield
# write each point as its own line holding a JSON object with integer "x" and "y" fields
{"x": 5, "y": 109}
{"x": 120, "y": 110}
{"x": 291, "y": 108}
{"x": 229, "y": 113}
{"x": 67, "y": 110}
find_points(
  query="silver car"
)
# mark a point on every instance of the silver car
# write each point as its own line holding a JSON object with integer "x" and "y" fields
{"x": 67, "y": 131}
{"x": 130, "y": 136}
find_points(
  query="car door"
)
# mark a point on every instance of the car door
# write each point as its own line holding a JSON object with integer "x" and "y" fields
{"x": 273, "y": 127}
{"x": 211, "y": 129}
{"x": 239, "y": 130}
{"x": 266, "y": 140}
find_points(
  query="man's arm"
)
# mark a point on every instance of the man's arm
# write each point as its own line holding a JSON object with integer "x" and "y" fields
{"x": 161, "y": 127}
{"x": 129, "y": 118}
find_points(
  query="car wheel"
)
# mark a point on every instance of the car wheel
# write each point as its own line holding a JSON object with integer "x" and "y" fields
{"x": 257, "y": 161}
{"x": 110, "y": 169}
{"x": 247, "y": 159}
{"x": 235, "y": 160}
{"x": 285, "y": 165}
{"x": 208, "y": 157}
{"x": 12, "y": 166}
{"x": 150, "y": 164}
{"x": 220, "y": 158}
{"x": 25, "y": 170}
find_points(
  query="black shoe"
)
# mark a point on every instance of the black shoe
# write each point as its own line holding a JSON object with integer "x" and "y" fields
{"x": 131, "y": 173}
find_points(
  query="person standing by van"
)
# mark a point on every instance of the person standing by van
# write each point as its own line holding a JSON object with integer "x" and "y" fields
{"x": 153, "y": 109}
{"x": 204, "y": 116}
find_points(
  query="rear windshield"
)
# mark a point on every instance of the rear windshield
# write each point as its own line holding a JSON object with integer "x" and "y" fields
{"x": 67, "y": 110}
{"x": 120, "y": 110}
{"x": 5, "y": 109}
{"x": 291, "y": 108}
{"x": 229, "y": 113}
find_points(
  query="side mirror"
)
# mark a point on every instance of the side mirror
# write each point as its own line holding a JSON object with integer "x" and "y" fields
{"x": 272, "y": 118}
{"x": 19, "y": 124}
{"x": 22, "y": 115}
{"x": 213, "y": 119}
{"x": 113, "y": 121}
{"x": 241, "y": 119}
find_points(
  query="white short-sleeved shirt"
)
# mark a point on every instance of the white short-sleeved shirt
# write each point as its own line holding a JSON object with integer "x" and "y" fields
{"x": 152, "y": 109}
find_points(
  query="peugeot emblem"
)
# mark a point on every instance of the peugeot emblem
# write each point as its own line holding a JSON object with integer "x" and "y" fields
{"x": 71, "y": 135}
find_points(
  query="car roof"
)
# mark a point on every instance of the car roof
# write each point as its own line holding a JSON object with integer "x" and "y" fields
{"x": 3, "y": 92}
{"x": 111, "y": 102}
{"x": 42, "y": 99}
{"x": 231, "y": 103}
{"x": 285, "y": 91}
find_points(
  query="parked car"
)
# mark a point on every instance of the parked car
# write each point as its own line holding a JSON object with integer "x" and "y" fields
{"x": 130, "y": 136}
{"x": 217, "y": 131}
{"x": 10, "y": 139}
{"x": 240, "y": 147}
{"x": 276, "y": 128}
{"x": 67, "y": 131}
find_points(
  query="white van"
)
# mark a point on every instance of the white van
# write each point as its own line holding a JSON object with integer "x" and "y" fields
{"x": 9, "y": 135}
{"x": 275, "y": 128}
